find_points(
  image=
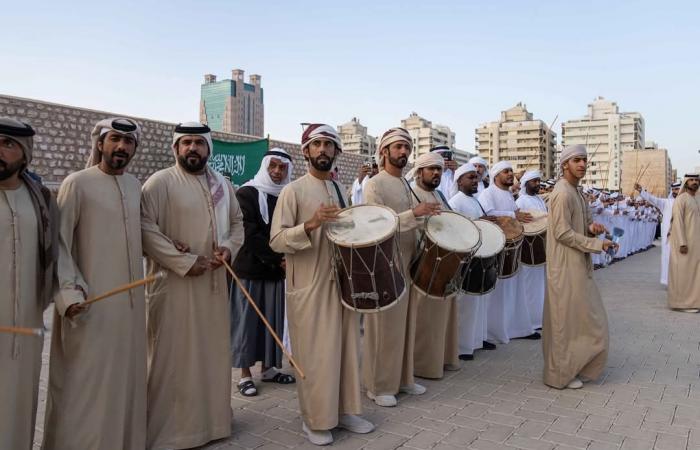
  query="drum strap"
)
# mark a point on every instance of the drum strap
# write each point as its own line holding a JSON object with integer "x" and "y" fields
{"x": 445, "y": 203}
{"x": 410, "y": 189}
{"x": 340, "y": 197}
{"x": 479, "y": 203}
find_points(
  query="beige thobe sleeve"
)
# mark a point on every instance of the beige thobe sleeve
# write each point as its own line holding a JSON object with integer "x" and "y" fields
{"x": 560, "y": 215}
{"x": 678, "y": 222}
{"x": 156, "y": 244}
{"x": 234, "y": 239}
{"x": 70, "y": 279}
{"x": 407, "y": 220}
{"x": 286, "y": 236}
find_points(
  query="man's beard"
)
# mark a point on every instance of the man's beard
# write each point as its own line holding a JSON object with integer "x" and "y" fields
{"x": 399, "y": 162}
{"x": 322, "y": 163}
{"x": 675, "y": 194}
{"x": 532, "y": 191}
{"x": 113, "y": 164}
{"x": 7, "y": 170}
{"x": 195, "y": 165}
{"x": 432, "y": 183}
{"x": 471, "y": 190}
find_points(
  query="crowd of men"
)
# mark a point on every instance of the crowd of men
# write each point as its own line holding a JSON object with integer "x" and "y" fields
{"x": 151, "y": 368}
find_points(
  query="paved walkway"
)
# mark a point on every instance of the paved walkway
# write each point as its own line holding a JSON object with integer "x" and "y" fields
{"x": 648, "y": 397}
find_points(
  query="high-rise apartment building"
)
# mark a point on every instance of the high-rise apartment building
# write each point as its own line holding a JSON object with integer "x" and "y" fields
{"x": 608, "y": 134}
{"x": 233, "y": 106}
{"x": 426, "y": 135}
{"x": 527, "y": 143}
{"x": 355, "y": 138}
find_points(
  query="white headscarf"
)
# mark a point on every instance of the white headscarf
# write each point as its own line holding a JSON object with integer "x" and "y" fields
{"x": 426, "y": 160}
{"x": 264, "y": 184}
{"x": 479, "y": 160}
{"x": 461, "y": 170}
{"x": 530, "y": 175}
{"x": 498, "y": 168}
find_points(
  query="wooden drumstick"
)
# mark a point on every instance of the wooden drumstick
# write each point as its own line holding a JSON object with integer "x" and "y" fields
{"x": 126, "y": 287}
{"x": 262, "y": 317}
{"x": 25, "y": 331}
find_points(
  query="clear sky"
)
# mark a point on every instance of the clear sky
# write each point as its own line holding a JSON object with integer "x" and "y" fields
{"x": 457, "y": 63}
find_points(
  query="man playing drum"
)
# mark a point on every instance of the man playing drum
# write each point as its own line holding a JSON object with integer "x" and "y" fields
{"x": 387, "y": 360}
{"x": 532, "y": 278}
{"x": 324, "y": 334}
{"x": 509, "y": 317}
{"x": 437, "y": 331}
{"x": 472, "y": 308}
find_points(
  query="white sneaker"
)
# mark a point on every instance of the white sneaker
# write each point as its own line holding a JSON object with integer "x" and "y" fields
{"x": 382, "y": 400}
{"x": 691, "y": 310}
{"x": 317, "y": 437}
{"x": 413, "y": 389}
{"x": 575, "y": 384}
{"x": 355, "y": 424}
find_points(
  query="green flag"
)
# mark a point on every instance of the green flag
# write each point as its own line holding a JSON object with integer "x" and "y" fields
{"x": 238, "y": 161}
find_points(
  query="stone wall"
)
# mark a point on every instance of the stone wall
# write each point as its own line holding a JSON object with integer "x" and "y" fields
{"x": 62, "y": 141}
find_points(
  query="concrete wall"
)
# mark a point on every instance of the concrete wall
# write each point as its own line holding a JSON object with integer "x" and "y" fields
{"x": 62, "y": 142}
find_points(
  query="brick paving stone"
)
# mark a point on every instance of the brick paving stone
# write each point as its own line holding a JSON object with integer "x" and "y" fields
{"x": 567, "y": 439}
{"x": 648, "y": 396}
{"x": 529, "y": 443}
{"x": 602, "y": 446}
{"x": 461, "y": 437}
{"x": 482, "y": 444}
{"x": 637, "y": 444}
{"x": 670, "y": 442}
{"x": 532, "y": 429}
{"x": 424, "y": 440}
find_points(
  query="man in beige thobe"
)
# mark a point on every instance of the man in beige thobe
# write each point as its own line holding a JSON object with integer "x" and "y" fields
{"x": 28, "y": 243}
{"x": 324, "y": 334}
{"x": 97, "y": 379}
{"x": 387, "y": 356}
{"x": 191, "y": 221}
{"x": 437, "y": 326}
{"x": 575, "y": 325}
{"x": 684, "y": 267}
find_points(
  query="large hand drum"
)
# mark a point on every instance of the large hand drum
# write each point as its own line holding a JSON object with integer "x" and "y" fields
{"x": 366, "y": 258}
{"x": 449, "y": 242}
{"x": 534, "y": 252}
{"x": 510, "y": 256}
{"x": 484, "y": 267}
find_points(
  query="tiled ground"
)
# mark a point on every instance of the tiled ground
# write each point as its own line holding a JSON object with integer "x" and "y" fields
{"x": 648, "y": 398}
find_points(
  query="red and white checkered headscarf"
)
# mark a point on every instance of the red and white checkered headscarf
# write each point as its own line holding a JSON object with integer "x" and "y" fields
{"x": 316, "y": 131}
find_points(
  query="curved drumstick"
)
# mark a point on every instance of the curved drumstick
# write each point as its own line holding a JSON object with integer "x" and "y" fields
{"x": 25, "y": 331}
{"x": 262, "y": 317}
{"x": 126, "y": 287}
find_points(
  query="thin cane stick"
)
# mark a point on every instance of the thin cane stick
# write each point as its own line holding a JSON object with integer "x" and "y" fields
{"x": 264, "y": 320}
{"x": 126, "y": 287}
{"x": 25, "y": 331}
